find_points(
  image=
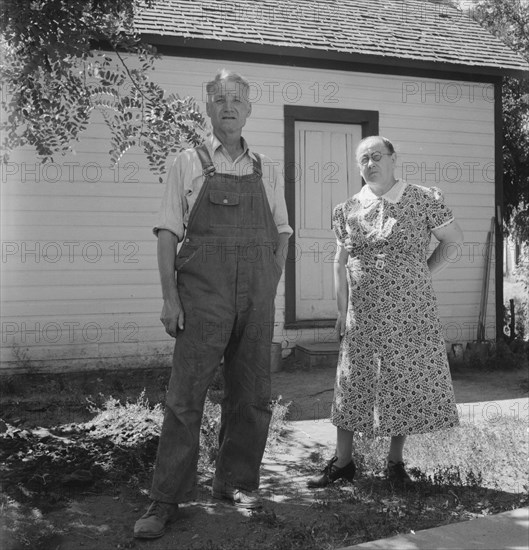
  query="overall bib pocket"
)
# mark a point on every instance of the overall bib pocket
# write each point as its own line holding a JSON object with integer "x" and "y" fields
{"x": 224, "y": 209}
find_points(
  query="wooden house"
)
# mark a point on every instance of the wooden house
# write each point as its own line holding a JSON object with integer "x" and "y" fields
{"x": 80, "y": 284}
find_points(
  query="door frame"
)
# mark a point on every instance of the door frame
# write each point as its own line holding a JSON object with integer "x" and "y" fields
{"x": 368, "y": 121}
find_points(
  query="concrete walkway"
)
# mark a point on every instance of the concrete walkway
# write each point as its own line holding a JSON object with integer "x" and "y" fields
{"x": 321, "y": 432}
{"x": 505, "y": 531}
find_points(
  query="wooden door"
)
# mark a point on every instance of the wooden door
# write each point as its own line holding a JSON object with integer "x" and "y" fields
{"x": 326, "y": 174}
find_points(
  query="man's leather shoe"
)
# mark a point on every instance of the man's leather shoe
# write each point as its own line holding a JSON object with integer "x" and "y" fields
{"x": 237, "y": 497}
{"x": 331, "y": 473}
{"x": 153, "y": 523}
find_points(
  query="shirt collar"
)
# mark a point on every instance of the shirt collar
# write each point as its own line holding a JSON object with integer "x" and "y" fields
{"x": 393, "y": 195}
{"x": 214, "y": 143}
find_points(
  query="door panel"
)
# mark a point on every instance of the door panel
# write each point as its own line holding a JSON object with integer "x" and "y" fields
{"x": 326, "y": 175}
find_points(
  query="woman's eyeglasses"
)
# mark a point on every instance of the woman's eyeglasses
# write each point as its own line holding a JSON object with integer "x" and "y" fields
{"x": 375, "y": 156}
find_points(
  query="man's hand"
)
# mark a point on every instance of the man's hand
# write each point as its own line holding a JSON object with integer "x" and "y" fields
{"x": 172, "y": 316}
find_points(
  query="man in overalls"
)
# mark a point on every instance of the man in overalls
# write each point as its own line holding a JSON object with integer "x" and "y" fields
{"x": 227, "y": 205}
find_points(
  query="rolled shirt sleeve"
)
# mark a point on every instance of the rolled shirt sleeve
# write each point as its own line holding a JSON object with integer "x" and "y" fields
{"x": 174, "y": 209}
{"x": 275, "y": 191}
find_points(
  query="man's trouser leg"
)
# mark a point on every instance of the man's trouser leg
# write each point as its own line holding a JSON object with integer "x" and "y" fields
{"x": 246, "y": 407}
{"x": 198, "y": 352}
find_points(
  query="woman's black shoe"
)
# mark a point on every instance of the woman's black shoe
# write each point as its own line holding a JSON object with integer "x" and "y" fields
{"x": 331, "y": 473}
{"x": 396, "y": 473}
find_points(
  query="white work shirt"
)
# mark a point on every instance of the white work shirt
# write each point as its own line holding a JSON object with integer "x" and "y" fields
{"x": 185, "y": 179}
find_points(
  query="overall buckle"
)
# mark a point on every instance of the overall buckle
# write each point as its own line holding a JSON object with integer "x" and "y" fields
{"x": 208, "y": 170}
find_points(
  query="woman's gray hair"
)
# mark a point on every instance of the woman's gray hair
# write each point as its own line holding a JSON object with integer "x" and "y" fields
{"x": 389, "y": 146}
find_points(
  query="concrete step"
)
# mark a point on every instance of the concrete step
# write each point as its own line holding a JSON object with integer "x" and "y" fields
{"x": 319, "y": 354}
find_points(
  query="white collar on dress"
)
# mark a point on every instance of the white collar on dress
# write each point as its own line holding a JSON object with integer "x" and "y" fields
{"x": 393, "y": 195}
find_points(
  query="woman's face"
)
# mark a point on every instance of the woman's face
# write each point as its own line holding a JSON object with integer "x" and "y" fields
{"x": 379, "y": 171}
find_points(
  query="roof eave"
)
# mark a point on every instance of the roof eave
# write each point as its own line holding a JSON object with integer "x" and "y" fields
{"x": 308, "y": 53}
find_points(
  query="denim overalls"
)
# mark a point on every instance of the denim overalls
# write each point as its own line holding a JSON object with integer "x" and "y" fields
{"x": 227, "y": 279}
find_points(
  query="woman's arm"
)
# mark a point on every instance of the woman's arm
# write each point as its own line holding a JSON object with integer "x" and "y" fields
{"x": 342, "y": 290}
{"x": 447, "y": 236}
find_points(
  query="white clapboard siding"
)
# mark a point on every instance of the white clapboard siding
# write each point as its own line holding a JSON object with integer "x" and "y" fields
{"x": 113, "y": 276}
{"x": 79, "y": 256}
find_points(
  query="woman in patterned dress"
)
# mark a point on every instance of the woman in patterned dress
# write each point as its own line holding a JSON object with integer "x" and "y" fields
{"x": 392, "y": 377}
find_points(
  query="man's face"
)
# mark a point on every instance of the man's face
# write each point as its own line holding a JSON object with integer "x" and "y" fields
{"x": 228, "y": 107}
{"x": 375, "y": 171}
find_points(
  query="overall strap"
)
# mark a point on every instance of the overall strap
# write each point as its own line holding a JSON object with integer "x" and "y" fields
{"x": 208, "y": 168}
{"x": 257, "y": 165}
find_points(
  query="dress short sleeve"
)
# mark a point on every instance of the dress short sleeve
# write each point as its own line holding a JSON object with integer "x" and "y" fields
{"x": 338, "y": 223}
{"x": 437, "y": 213}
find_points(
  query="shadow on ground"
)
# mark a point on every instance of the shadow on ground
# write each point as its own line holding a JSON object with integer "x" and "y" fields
{"x": 293, "y": 517}
{"x": 102, "y": 515}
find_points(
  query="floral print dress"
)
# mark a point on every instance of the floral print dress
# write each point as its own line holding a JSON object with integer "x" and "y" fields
{"x": 393, "y": 376}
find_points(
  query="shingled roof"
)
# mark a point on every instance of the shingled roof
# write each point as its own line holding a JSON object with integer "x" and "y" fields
{"x": 418, "y": 33}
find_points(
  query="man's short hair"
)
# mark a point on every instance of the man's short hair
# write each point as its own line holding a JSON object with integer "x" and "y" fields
{"x": 213, "y": 85}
